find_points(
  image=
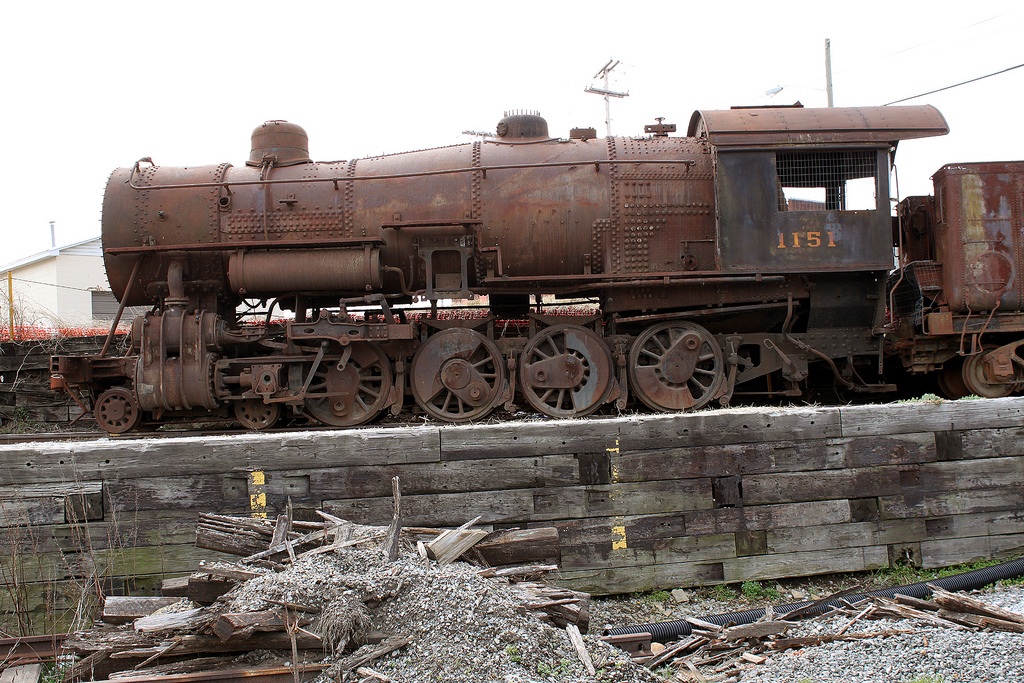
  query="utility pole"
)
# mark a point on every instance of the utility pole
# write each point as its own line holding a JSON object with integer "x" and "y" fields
{"x": 10, "y": 302}
{"x": 828, "y": 70}
{"x": 606, "y": 92}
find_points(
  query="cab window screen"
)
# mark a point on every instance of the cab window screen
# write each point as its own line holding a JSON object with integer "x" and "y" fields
{"x": 840, "y": 180}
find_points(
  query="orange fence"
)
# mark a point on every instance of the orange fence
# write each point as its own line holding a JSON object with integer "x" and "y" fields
{"x": 41, "y": 333}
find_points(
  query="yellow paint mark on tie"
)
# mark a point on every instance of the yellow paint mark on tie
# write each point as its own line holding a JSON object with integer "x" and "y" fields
{"x": 258, "y": 494}
{"x": 618, "y": 535}
{"x": 614, "y": 450}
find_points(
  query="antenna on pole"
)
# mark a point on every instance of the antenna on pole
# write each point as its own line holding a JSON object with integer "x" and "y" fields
{"x": 606, "y": 92}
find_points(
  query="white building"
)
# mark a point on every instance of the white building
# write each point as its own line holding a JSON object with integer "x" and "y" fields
{"x": 60, "y": 288}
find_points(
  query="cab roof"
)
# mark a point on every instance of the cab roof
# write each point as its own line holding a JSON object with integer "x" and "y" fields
{"x": 796, "y": 125}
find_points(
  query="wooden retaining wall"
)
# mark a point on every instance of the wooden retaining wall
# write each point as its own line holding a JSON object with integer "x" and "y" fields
{"x": 25, "y": 394}
{"x": 641, "y": 502}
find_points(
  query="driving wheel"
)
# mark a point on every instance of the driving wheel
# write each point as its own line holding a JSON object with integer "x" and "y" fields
{"x": 458, "y": 375}
{"x": 566, "y": 371}
{"x": 676, "y": 366}
{"x": 350, "y": 389}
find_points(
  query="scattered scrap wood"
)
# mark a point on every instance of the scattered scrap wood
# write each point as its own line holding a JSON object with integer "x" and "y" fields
{"x": 713, "y": 652}
{"x": 193, "y": 630}
{"x": 559, "y": 606}
{"x": 810, "y": 641}
{"x": 956, "y": 604}
{"x": 368, "y": 653}
{"x": 273, "y": 674}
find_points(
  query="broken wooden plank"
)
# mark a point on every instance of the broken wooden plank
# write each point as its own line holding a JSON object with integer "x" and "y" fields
{"x": 581, "y": 648}
{"x": 521, "y": 546}
{"x": 451, "y": 544}
{"x": 124, "y": 609}
{"x": 281, "y": 529}
{"x": 703, "y": 625}
{"x": 296, "y": 543}
{"x": 807, "y": 641}
{"x": 204, "y": 589}
{"x": 175, "y": 587}
{"x": 86, "y": 668}
{"x": 675, "y": 650}
{"x": 980, "y": 621}
{"x": 369, "y": 674}
{"x": 235, "y": 573}
{"x": 368, "y": 653}
{"x": 25, "y": 673}
{"x": 916, "y": 603}
{"x": 239, "y": 625}
{"x": 192, "y": 644}
{"x": 758, "y": 629}
{"x": 391, "y": 543}
{"x": 276, "y": 674}
{"x": 965, "y": 603}
{"x": 527, "y": 571}
{"x": 189, "y": 620}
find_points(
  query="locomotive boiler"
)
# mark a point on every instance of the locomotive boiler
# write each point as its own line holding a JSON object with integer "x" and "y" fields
{"x": 748, "y": 258}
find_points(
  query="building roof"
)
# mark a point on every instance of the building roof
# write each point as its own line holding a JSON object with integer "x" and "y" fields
{"x": 87, "y": 247}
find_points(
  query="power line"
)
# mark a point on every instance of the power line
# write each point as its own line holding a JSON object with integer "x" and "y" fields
{"x": 53, "y": 284}
{"x": 955, "y": 85}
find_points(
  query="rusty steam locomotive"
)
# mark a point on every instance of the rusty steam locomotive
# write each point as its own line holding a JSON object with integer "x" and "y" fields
{"x": 752, "y": 257}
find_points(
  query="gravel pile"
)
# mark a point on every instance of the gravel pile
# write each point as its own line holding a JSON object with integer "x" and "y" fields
{"x": 929, "y": 654}
{"x": 470, "y": 629}
{"x": 464, "y": 628}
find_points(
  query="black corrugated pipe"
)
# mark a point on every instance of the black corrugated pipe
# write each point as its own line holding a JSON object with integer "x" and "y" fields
{"x": 668, "y": 630}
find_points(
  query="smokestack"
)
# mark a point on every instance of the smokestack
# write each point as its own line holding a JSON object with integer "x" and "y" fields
{"x": 53, "y": 236}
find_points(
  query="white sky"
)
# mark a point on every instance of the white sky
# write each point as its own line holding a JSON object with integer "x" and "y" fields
{"x": 91, "y": 86}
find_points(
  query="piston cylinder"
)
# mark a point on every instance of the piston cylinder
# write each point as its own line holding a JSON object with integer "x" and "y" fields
{"x": 258, "y": 273}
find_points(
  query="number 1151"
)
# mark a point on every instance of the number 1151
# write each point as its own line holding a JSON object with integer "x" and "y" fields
{"x": 809, "y": 239}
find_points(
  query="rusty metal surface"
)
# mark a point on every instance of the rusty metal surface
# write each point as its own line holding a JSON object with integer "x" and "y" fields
{"x": 117, "y": 411}
{"x": 756, "y": 246}
{"x": 263, "y": 273}
{"x": 276, "y": 674}
{"x": 761, "y": 234}
{"x": 352, "y": 389}
{"x": 980, "y": 235}
{"x": 279, "y": 143}
{"x": 566, "y": 371}
{"x": 458, "y": 375}
{"x": 676, "y": 366}
{"x": 772, "y": 126}
{"x": 176, "y": 357}
{"x": 43, "y": 648}
{"x": 556, "y": 208}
